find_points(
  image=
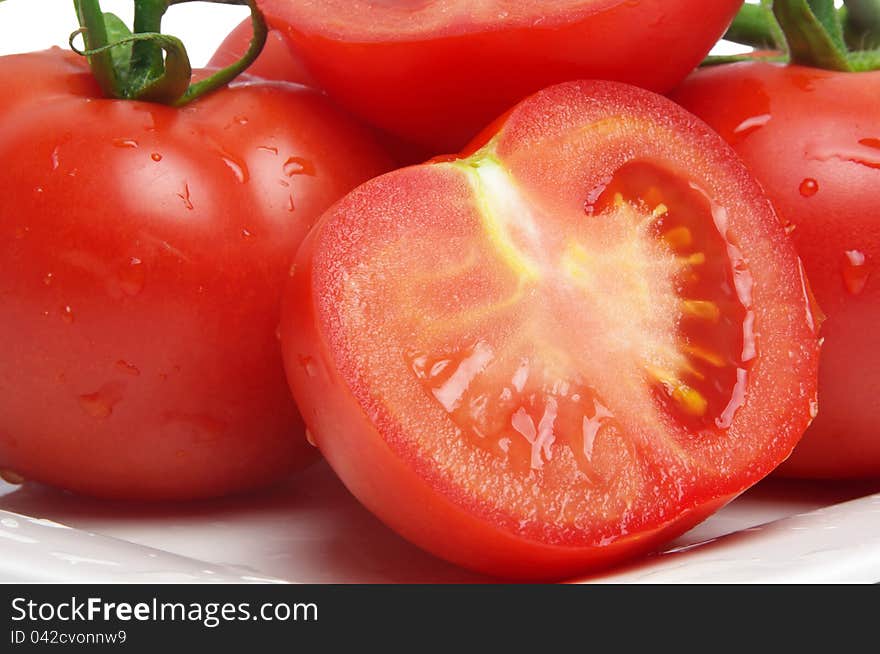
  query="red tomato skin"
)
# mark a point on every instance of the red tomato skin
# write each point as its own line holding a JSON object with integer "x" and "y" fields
{"x": 806, "y": 143}
{"x": 142, "y": 257}
{"x": 440, "y": 84}
{"x": 403, "y": 490}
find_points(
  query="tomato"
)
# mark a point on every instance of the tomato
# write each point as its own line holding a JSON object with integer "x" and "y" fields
{"x": 275, "y": 62}
{"x": 558, "y": 351}
{"x": 143, "y": 250}
{"x": 437, "y": 71}
{"x": 812, "y": 137}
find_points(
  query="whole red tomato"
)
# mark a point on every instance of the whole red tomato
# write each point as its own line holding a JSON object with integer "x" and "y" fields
{"x": 561, "y": 349}
{"x": 437, "y": 71}
{"x": 142, "y": 254}
{"x": 812, "y": 137}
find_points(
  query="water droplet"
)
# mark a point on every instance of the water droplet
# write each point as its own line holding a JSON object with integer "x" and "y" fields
{"x": 311, "y": 438}
{"x": 125, "y": 143}
{"x": 292, "y": 270}
{"x": 750, "y": 125}
{"x": 298, "y": 166}
{"x": 48, "y": 279}
{"x": 11, "y": 477}
{"x": 131, "y": 277}
{"x": 238, "y": 168}
{"x": 156, "y": 157}
{"x": 241, "y": 120}
{"x": 56, "y": 161}
{"x": 308, "y": 364}
{"x": 809, "y": 187}
{"x": 98, "y": 405}
{"x": 187, "y": 202}
{"x": 127, "y": 368}
{"x": 855, "y": 271}
{"x": 67, "y": 314}
{"x": 246, "y": 233}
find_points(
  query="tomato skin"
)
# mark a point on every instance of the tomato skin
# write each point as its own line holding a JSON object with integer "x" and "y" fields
{"x": 812, "y": 143}
{"x": 439, "y": 74}
{"x": 372, "y": 448}
{"x": 142, "y": 258}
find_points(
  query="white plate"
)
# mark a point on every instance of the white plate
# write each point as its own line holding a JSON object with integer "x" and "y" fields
{"x": 312, "y": 530}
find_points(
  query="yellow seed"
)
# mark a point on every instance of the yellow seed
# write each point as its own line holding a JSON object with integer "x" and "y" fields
{"x": 660, "y": 210}
{"x": 690, "y": 401}
{"x": 618, "y": 200}
{"x": 702, "y": 309}
{"x": 712, "y": 358}
{"x": 678, "y": 238}
{"x": 696, "y": 259}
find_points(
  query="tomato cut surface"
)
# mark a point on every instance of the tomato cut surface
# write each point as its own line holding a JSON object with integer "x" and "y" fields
{"x": 561, "y": 349}
{"x": 437, "y": 71}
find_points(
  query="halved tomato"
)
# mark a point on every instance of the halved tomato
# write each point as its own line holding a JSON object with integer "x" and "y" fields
{"x": 436, "y": 71}
{"x": 560, "y": 350}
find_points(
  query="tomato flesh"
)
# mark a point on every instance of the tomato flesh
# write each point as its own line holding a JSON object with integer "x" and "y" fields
{"x": 558, "y": 350}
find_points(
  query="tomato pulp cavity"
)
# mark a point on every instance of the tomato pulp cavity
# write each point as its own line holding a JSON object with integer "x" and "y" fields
{"x": 143, "y": 250}
{"x": 437, "y": 71}
{"x": 560, "y": 350}
{"x": 812, "y": 137}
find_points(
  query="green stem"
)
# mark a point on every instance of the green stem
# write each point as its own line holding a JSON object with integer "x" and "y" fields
{"x": 148, "y": 65}
{"x": 224, "y": 76}
{"x": 91, "y": 20}
{"x": 753, "y": 26}
{"x": 813, "y": 33}
{"x": 145, "y": 56}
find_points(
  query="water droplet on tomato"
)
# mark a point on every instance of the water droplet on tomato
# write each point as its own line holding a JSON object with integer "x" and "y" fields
{"x": 809, "y": 187}
{"x": 131, "y": 277}
{"x": 56, "y": 161}
{"x": 48, "y": 279}
{"x": 241, "y": 120}
{"x": 156, "y": 157}
{"x": 98, "y": 405}
{"x": 855, "y": 271}
{"x": 308, "y": 364}
{"x": 127, "y": 368}
{"x": 750, "y": 126}
{"x": 246, "y": 233}
{"x": 67, "y": 314}
{"x": 292, "y": 270}
{"x": 125, "y": 143}
{"x": 298, "y": 166}
{"x": 238, "y": 168}
{"x": 11, "y": 477}
{"x": 310, "y": 438}
{"x": 185, "y": 196}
